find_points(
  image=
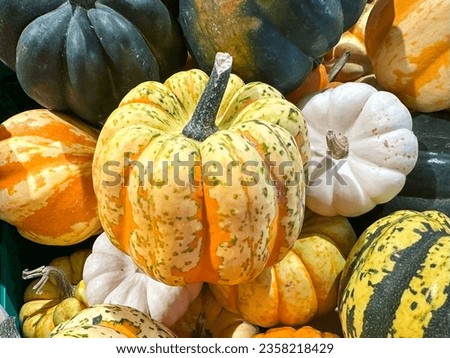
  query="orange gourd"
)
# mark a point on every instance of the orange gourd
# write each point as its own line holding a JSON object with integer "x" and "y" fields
{"x": 316, "y": 81}
{"x": 408, "y": 43}
{"x": 46, "y": 177}
{"x": 291, "y": 332}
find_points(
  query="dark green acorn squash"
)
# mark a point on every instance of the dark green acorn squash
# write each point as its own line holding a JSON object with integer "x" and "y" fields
{"x": 427, "y": 186}
{"x": 396, "y": 280}
{"x": 83, "y": 56}
{"x": 271, "y": 41}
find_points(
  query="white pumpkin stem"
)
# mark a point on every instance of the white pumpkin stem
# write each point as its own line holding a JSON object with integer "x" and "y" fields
{"x": 45, "y": 272}
{"x": 203, "y": 121}
{"x": 337, "y": 145}
{"x": 338, "y": 65}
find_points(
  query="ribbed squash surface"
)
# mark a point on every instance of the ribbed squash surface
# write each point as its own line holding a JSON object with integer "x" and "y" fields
{"x": 396, "y": 282}
{"x": 187, "y": 211}
{"x": 46, "y": 177}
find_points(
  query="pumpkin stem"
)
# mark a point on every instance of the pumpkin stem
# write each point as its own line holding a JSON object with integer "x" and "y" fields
{"x": 45, "y": 272}
{"x": 338, "y": 65}
{"x": 337, "y": 145}
{"x": 203, "y": 121}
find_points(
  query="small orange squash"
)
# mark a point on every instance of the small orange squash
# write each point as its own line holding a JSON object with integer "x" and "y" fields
{"x": 291, "y": 332}
{"x": 207, "y": 318}
{"x": 46, "y": 177}
{"x": 407, "y": 42}
{"x": 316, "y": 81}
{"x": 320, "y": 78}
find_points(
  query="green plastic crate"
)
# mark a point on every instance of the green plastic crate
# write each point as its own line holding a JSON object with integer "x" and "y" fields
{"x": 17, "y": 254}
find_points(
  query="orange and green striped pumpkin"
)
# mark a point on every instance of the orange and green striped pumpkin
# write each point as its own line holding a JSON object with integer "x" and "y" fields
{"x": 205, "y": 217}
{"x": 396, "y": 282}
{"x": 46, "y": 177}
{"x": 407, "y": 42}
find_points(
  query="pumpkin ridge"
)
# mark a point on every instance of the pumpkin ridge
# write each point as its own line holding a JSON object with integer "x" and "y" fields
{"x": 421, "y": 297}
{"x": 216, "y": 232}
{"x": 157, "y": 96}
{"x": 379, "y": 318}
{"x": 166, "y": 149}
{"x": 281, "y": 212}
{"x": 41, "y": 123}
{"x": 378, "y": 229}
{"x": 203, "y": 238}
{"x": 396, "y": 268}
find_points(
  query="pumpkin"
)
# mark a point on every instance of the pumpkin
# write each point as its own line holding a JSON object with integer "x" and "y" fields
{"x": 112, "y": 277}
{"x": 83, "y": 56}
{"x": 46, "y": 177}
{"x": 300, "y": 287}
{"x": 397, "y": 278}
{"x": 207, "y": 318}
{"x": 273, "y": 42}
{"x": 111, "y": 321}
{"x": 55, "y": 296}
{"x": 226, "y": 159}
{"x": 426, "y": 186}
{"x": 291, "y": 332}
{"x": 408, "y": 45}
{"x": 362, "y": 147}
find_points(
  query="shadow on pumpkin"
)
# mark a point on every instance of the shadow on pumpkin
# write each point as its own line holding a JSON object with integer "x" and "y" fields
{"x": 381, "y": 31}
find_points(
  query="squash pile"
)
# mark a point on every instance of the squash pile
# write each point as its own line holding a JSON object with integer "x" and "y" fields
{"x": 230, "y": 169}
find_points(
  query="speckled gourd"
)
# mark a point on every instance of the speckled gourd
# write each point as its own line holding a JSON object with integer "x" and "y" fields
{"x": 198, "y": 200}
{"x": 396, "y": 280}
{"x": 111, "y": 321}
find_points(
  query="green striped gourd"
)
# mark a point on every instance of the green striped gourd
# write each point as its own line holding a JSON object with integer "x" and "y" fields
{"x": 212, "y": 187}
{"x": 396, "y": 281}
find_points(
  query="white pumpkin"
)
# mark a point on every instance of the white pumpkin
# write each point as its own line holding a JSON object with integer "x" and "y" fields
{"x": 112, "y": 277}
{"x": 362, "y": 148}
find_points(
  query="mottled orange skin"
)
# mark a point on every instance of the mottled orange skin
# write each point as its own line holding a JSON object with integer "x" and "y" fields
{"x": 46, "y": 177}
{"x": 291, "y": 332}
{"x": 408, "y": 45}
